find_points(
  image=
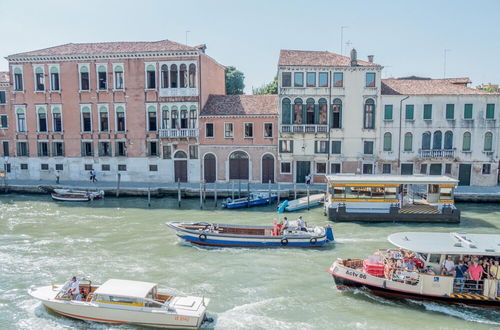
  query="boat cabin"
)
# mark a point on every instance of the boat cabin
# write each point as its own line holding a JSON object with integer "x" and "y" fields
{"x": 375, "y": 198}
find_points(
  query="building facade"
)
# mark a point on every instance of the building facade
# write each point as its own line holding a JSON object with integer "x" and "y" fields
{"x": 238, "y": 138}
{"x": 128, "y": 108}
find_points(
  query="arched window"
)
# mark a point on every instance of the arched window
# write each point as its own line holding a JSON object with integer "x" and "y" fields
{"x": 164, "y": 117}
{"x": 297, "y": 112}
{"x": 369, "y": 114}
{"x": 56, "y": 119}
{"x": 238, "y": 155}
{"x": 184, "y": 117}
{"x": 39, "y": 79}
{"x": 488, "y": 141}
{"x": 164, "y": 76}
{"x": 466, "y": 143}
{"x": 152, "y": 126}
{"x": 336, "y": 114}
{"x": 426, "y": 141}
{"x": 310, "y": 119}
{"x": 119, "y": 81}
{"x": 192, "y": 75}
{"x": 437, "y": 141}
{"x": 180, "y": 154}
{"x": 286, "y": 112}
{"x": 175, "y": 118}
{"x": 120, "y": 119}
{"x": 448, "y": 140}
{"x": 183, "y": 76}
{"x": 54, "y": 78}
{"x": 323, "y": 112}
{"x": 151, "y": 77}
{"x": 387, "y": 141}
{"x": 173, "y": 76}
{"x": 192, "y": 117}
{"x": 408, "y": 144}
{"x": 42, "y": 119}
{"x": 84, "y": 78}
{"x": 21, "y": 120}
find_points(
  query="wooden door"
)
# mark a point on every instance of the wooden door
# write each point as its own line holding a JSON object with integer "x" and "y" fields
{"x": 238, "y": 166}
{"x": 464, "y": 172}
{"x": 209, "y": 168}
{"x": 180, "y": 170}
{"x": 303, "y": 169}
{"x": 267, "y": 169}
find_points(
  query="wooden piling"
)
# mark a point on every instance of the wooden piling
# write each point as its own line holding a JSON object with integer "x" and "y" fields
{"x": 215, "y": 194}
{"x": 201, "y": 195}
{"x": 118, "y": 185}
{"x": 307, "y": 189}
{"x": 239, "y": 188}
{"x": 269, "y": 193}
{"x": 179, "y": 192}
{"x": 232, "y": 191}
{"x": 294, "y": 190}
{"x": 278, "y": 193}
{"x": 248, "y": 192}
{"x": 204, "y": 191}
{"x": 149, "y": 196}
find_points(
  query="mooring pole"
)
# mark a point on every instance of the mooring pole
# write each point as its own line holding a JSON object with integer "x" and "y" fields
{"x": 294, "y": 190}
{"x": 248, "y": 192}
{"x": 278, "y": 193}
{"x": 118, "y": 185}
{"x": 204, "y": 191}
{"x": 201, "y": 194}
{"x": 215, "y": 193}
{"x": 269, "y": 189}
{"x": 307, "y": 189}
{"x": 232, "y": 191}
{"x": 179, "y": 192}
{"x": 149, "y": 196}
{"x": 239, "y": 188}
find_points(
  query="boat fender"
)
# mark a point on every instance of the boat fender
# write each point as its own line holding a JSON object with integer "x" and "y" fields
{"x": 202, "y": 237}
{"x": 284, "y": 242}
{"x": 313, "y": 240}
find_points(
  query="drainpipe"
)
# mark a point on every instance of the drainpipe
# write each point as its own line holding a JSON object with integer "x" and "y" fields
{"x": 330, "y": 81}
{"x": 400, "y": 129}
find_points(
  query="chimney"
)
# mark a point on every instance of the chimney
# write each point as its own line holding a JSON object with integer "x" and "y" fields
{"x": 370, "y": 58}
{"x": 354, "y": 57}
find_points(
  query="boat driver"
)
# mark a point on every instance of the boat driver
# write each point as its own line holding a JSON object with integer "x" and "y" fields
{"x": 301, "y": 224}
{"x": 73, "y": 287}
{"x": 285, "y": 225}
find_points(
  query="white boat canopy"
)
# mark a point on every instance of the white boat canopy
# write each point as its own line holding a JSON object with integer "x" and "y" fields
{"x": 125, "y": 288}
{"x": 391, "y": 179}
{"x": 448, "y": 243}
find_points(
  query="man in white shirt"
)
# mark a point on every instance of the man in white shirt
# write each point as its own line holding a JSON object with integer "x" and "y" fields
{"x": 301, "y": 224}
{"x": 74, "y": 289}
{"x": 448, "y": 267}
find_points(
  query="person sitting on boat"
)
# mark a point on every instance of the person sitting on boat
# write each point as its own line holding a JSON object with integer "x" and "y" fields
{"x": 448, "y": 267}
{"x": 429, "y": 271}
{"x": 73, "y": 287}
{"x": 81, "y": 296}
{"x": 284, "y": 225}
{"x": 460, "y": 273}
{"x": 301, "y": 224}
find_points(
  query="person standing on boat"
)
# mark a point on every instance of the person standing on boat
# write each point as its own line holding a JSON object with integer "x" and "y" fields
{"x": 475, "y": 272}
{"x": 301, "y": 224}
{"x": 460, "y": 273}
{"x": 448, "y": 266}
{"x": 284, "y": 226}
{"x": 308, "y": 179}
{"x": 73, "y": 287}
{"x": 495, "y": 274}
{"x": 58, "y": 174}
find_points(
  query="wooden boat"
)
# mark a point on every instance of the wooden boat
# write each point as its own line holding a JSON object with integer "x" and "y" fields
{"x": 301, "y": 203}
{"x": 223, "y": 235}
{"x": 125, "y": 302}
{"x": 414, "y": 270}
{"x": 70, "y": 195}
{"x": 255, "y": 199}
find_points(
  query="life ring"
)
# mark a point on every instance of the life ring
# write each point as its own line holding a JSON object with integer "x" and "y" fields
{"x": 202, "y": 237}
{"x": 284, "y": 242}
{"x": 313, "y": 240}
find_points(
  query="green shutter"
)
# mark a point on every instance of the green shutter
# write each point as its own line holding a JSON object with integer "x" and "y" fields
{"x": 490, "y": 111}
{"x": 488, "y": 141}
{"x": 468, "y": 111}
{"x": 388, "y": 112}
{"x": 408, "y": 142}
{"x": 3, "y": 122}
{"x": 450, "y": 111}
{"x": 427, "y": 111}
{"x": 387, "y": 142}
{"x": 409, "y": 111}
{"x": 466, "y": 142}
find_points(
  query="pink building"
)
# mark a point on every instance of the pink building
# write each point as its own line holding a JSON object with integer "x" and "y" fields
{"x": 6, "y": 130}
{"x": 116, "y": 107}
{"x": 238, "y": 138}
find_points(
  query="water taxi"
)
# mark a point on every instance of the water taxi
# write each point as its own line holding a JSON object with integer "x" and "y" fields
{"x": 442, "y": 267}
{"x": 222, "y": 235}
{"x": 71, "y": 195}
{"x": 402, "y": 198}
{"x": 301, "y": 203}
{"x": 254, "y": 199}
{"x": 123, "y": 301}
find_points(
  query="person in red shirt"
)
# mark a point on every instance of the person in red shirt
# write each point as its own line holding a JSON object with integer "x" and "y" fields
{"x": 475, "y": 272}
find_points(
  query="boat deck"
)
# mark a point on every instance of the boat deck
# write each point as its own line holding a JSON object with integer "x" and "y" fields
{"x": 419, "y": 209}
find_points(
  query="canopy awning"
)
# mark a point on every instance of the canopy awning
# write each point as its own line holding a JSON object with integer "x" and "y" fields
{"x": 125, "y": 288}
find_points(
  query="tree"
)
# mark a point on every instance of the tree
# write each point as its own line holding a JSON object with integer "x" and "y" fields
{"x": 234, "y": 81}
{"x": 271, "y": 88}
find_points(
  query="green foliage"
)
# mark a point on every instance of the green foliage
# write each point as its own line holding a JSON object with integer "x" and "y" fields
{"x": 234, "y": 81}
{"x": 271, "y": 88}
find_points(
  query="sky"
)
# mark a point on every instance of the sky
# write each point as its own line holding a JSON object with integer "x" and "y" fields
{"x": 406, "y": 37}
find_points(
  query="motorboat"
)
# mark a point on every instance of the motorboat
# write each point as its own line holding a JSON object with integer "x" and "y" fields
{"x": 224, "y": 235}
{"x": 426, "y": 266}
{"x": 254, "y": 199}
{"x": 72, "y": 195}
{"x": 301, "y": 203}
{"x": 125, "y": 302}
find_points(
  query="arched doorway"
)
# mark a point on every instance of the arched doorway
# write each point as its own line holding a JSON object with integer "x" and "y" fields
{"x": 209, "y": 168}
{"x": 180, "y": 166}
{"x": 238, "y": 166}
{"x": 268, "y": 168}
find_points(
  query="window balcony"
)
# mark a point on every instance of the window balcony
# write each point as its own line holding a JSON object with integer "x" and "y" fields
{"x": 166, "y": 92}
{"x": 179, "y": 133}
{"x": 436, "y": 153}
{"x": 304, "y": 129}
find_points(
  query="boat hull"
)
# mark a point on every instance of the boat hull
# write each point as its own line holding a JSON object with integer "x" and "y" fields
{"x": 253, "y": 202}
{"x": 66, "y": 198}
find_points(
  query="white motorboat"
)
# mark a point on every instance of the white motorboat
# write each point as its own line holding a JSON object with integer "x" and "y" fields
{"x": 71, "y": 195}
{"x": 301, "y": 203}
{"x": 123, "y": 301}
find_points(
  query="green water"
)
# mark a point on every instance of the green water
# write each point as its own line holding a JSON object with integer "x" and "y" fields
{"x": 43, "y": 242}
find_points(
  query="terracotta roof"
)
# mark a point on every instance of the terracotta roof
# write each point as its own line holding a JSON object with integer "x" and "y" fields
{"x": 426, "y": 86}
{"x": 240, "y": 105}
{"x": 316, "y": 58}
{"x": 108, "y": 48}
{"x": 4, "y": 77}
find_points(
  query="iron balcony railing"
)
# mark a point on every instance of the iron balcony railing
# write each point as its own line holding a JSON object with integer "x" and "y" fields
{"x": 437, "y": 153}
{"x": 304, "y": 129}
{"x": 179, "y": 133}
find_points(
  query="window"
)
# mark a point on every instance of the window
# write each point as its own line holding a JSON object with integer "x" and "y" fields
{"x": 297, "y": 112}
{"x": 24, "y": 166}
{"x": 105, "y": 167}
{"x": 167, "y": 152}
{"x": 228, "y": 130}
{"x": 336, "y": 147}
{"x": 18, "y": 79}
{"x": 426, "y": 141}
{"x": 182, "y": 76}
{"x": 387, "y": 141}
{"x": 164, "y": 117}
{"x": 152, "y": 119}
{"x": 310, "y": 113}
{"x": 407, "y": 169}
{"x": 102, "y": 78}
{"x": 87, "y": 149}
{"x": 173, "y": 76}
{"x": 286, "y": 146}
{"x": 447, "y": 169}
{"x": 192, "y": 117}
{"x": 56, "y": 119}
{"x": 193, "y": 152}
{"x": 88, "y": 167}
{"x": 423, "y": 168}
{"x": 370, "y": 79}
{"x": 54, "y": 79}
{"x": 209, "y": 130}
{"x": 184, "y": 117}
{"x": 338, "y": 79}
{"x": 369, "y": 114}
{"x": 84, "y": 78}
{"x": 58, "y": 149}
{"x": 3, "y": 121}
{"x": 248, "y": 130}
{"x": 488, "y": 141}
{"x": 164, "y": 76}
{"x": 21, "y": 120}
{"x": 409, "y": 112}
{"x": 153, "y": 168}
{"x": 3, "y": 99}
{"x": 323, "y": 79}
{"x": 388, "y": 112}
{"x": 22, "y": 149}
{"x": 104, "y": 149}
{"x": 268, "y": 130}
{"x": 408, "y": 142}
{"x": 286, "y": 167}
{"x": 298, "y": 79}
{"x": 59, "y": 167}
{"x": 337, "y": 114}
{"x": 448, "y": 140}
{"x": 175, "y": 118}
{"x": 42, "y": 119}
{"x": 437, "y": 140}
{"x": 427, "y": 111}
{"x": 323, "y": 112}
{"x": 321, "y": 147}
{"x": 44, "y": 167}
{"x": 490, "y": 111}
{"x": 153, "y": 149}
{"x": 5, "y": 145}
{"x": 39, "y": 80}
{"x": 311, "y": 79}
{"x": 334, "y": 168}
{"x": 486, "y": 169}
{"x": 321, "y": 168}
{"x": 120, "y": 118}
{"x": 368, "y": 147}
{"x": 86, "y": 119}
{"x": 122, "y": 167}
{"x": 468, "y": 111}
{"x": 286, "y": 112}
{"x": 450, "y": 111}
{"x": 466, "y": 143}
{"x": 286, "y": 79}
{"x": 119, "y": 82}
{"x": 386, "y": 168}
{"x": 367, "y": 168}
{"x": 120, "y": 149}
{"x": 436, "y": 169}
{"x": 192, "y": 75}
{"x": 103, "y": 119}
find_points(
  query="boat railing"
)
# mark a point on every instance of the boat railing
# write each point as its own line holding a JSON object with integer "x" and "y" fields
{"x": 404, "y": 275}
{"x": 462, "y": 285}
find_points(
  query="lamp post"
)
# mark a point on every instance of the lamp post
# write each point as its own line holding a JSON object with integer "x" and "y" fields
{"x": 400, "y": 129}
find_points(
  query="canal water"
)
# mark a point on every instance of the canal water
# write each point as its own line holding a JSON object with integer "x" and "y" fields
{"x": 43, "y": 242}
